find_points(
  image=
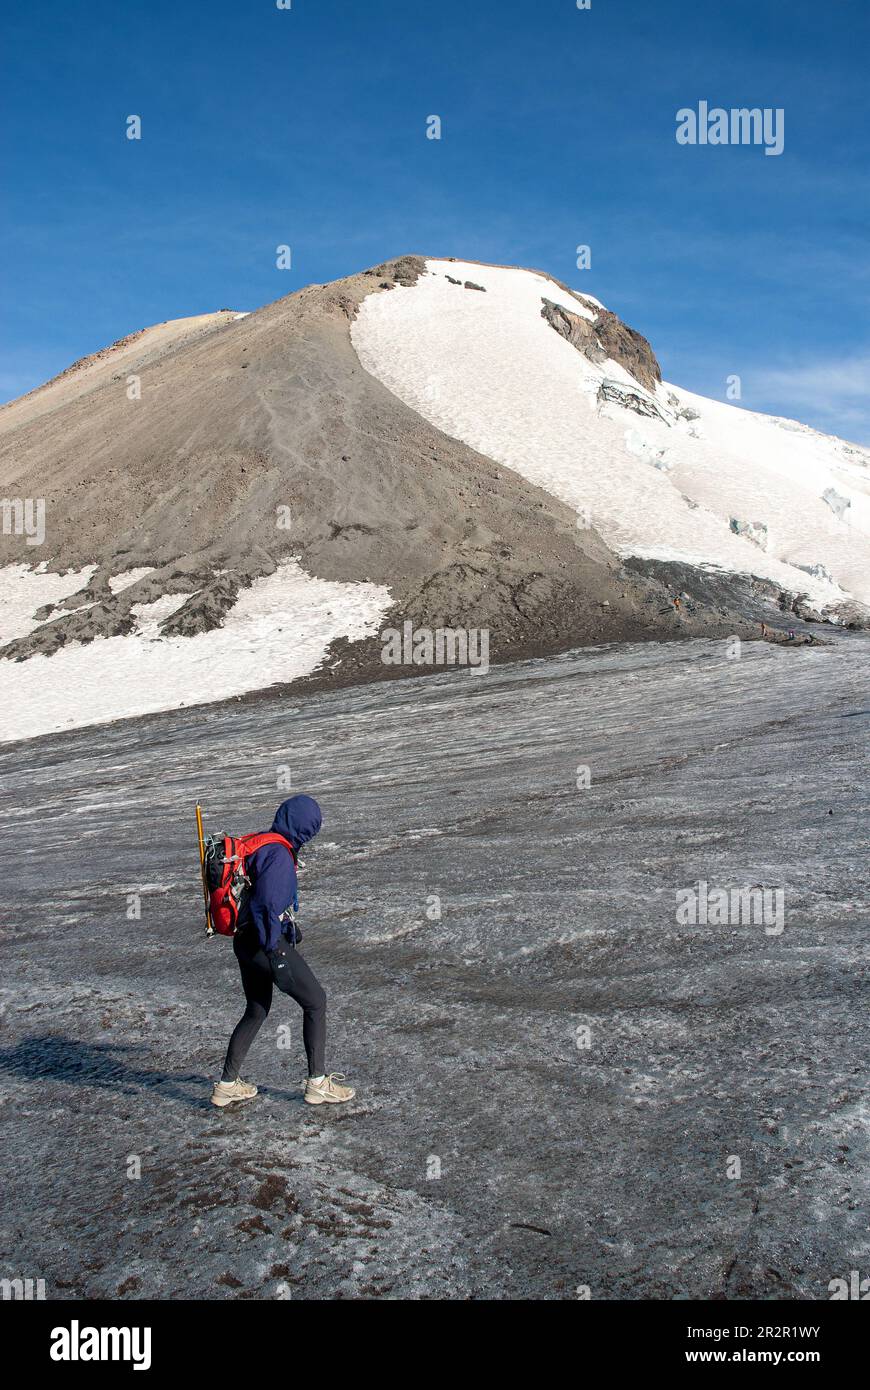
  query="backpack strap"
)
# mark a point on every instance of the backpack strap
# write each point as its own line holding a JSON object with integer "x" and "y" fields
{"x": 249, "y": 844}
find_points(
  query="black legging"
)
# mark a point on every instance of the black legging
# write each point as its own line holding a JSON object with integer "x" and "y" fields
{"x": 286, "y": 969}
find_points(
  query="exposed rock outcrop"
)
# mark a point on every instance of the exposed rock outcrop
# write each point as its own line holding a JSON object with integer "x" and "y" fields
{"x": 620, "y": 394}
{"x": 603, "y": 337}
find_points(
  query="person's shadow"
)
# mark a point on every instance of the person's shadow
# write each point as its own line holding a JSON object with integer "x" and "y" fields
{"x": 109, "y": 1067}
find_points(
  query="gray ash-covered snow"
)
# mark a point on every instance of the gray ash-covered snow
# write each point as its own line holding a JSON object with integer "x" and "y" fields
{"x": 560, "y": 1167}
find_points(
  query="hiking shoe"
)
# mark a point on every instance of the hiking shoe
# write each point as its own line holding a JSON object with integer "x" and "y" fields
{"x": 225, "y": 1092}
{"x": 328, "y": 1091}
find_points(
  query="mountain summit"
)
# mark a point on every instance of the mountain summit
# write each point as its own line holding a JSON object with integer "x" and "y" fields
{"x": 235, "y": 501}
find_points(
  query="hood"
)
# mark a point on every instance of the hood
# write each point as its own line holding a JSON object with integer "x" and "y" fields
{"x": 298, "y": 819}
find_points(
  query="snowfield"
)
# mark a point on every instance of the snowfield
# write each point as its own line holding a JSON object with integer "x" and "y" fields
{"x": 557, "y": 910}
{"x": 279, "y": 629}
{"x": 487, "y": 369}
{"x": 24, "y": 590}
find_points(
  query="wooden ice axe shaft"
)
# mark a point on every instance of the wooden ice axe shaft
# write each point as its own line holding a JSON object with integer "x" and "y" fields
{"x": 209, "y": 929}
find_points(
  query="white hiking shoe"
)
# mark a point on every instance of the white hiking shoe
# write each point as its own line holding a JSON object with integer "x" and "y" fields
{"x": 225, "y": 1092}
{"x": 327, "y": 1091}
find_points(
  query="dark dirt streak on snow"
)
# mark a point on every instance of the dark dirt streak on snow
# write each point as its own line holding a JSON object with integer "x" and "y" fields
{"x": 558, "y": 909}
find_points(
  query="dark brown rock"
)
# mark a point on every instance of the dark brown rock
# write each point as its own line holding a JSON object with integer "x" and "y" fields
{"x": 606, "y": 337}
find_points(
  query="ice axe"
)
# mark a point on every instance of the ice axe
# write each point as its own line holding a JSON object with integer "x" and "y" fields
{"x": 209, "y": 929}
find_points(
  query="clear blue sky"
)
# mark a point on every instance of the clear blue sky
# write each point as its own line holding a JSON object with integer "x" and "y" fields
{"x": 307, "y": 127}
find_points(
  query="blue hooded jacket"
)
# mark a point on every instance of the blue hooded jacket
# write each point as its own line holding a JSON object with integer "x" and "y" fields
{"x": 273, "y": 873}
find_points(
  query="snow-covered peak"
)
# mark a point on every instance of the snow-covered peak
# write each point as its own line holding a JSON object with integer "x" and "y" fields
{"x": 662, "y": 474}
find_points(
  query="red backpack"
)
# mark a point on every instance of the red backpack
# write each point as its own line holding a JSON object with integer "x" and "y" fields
{"x": 227, "y": 877}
